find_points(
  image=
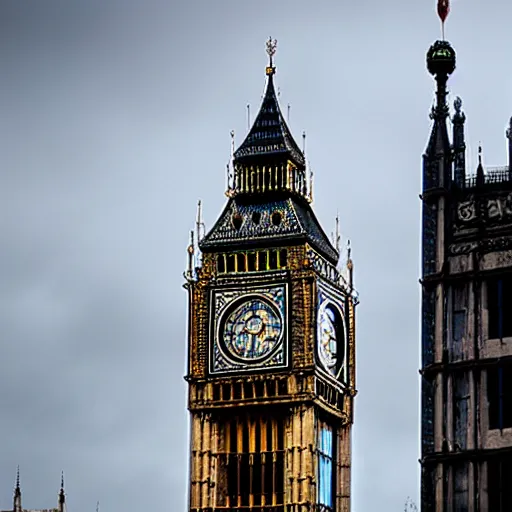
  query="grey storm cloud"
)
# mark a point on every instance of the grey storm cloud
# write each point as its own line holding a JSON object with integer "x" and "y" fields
{"x": 114, "y": 120}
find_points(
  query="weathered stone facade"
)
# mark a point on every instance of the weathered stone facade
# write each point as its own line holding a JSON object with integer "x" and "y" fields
{"x": 466, "y": 335}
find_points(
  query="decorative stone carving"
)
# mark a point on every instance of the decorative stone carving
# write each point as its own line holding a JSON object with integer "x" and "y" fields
{"x": 466, "y": 211}
{"x": 493, "y": 209}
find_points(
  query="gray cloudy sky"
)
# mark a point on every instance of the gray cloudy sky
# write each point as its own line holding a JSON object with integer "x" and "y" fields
{"x": 114, "y": 119}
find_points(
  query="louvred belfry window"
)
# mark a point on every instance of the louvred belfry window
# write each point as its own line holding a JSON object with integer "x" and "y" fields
{"x": 251, "y": 465}
{"x": 325, "y": 466}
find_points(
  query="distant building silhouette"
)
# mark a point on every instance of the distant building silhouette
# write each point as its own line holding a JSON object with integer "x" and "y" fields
{"x": 17, "y": 506}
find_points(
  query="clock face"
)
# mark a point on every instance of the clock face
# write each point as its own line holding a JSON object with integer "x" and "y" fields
{"x": 330, "y": 337}
{"x": 251, "y": 330}
{"x": 248, "y": 329}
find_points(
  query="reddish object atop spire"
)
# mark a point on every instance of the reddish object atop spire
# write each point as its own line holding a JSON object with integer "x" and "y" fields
{"x": 443, "y": 9}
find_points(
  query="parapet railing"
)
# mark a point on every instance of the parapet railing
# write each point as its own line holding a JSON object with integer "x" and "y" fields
{"x": 491, "y": 175}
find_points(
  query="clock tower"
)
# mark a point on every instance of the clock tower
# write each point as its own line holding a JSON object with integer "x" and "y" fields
{"x": 271, "y": 338}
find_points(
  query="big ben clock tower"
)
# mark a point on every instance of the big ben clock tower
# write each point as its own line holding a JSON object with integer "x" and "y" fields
{"x": 271, "y": 360}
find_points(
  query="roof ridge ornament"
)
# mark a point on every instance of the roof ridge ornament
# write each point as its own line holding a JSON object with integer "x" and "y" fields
{"x": 271, "y": 51}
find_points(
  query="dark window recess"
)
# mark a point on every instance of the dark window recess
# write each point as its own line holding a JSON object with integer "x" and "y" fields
{"x": 251, "y": 262}
{"x": 499, "y": 490}
{"x": 221, "y": 264}
{"x": 226, "y": 392}
{"x": 262, "y": 260}
{"x": 216, "y": 392}
{"x": 499, "y": 306}
{"x": 259, "y": 387}
{"x": 248, "y": 390}
{"x": 237, "y": 221}
{"x": 272, "y": 260}
{"x": 499, "y": 396}
{"x": 240, "y": 262}
{"x": 283, "y": 258}
{"x": 231, "y": 263}
{"x": 283, "y": 387}
{"x": 271, "y": 388}
{"x": 256, "y": 217}
{"x": 237, "y": 389}
{"x": 276, "y": 218}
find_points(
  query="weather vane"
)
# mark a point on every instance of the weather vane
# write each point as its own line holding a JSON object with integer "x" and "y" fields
{"x": 443, "y": 9}
{"x": 271, "y": 50}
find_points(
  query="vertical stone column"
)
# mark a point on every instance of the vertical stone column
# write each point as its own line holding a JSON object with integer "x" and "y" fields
{"x": 344, "y": 469}
{"x": 205, "y": 459}
{"x": 195, "y": 462}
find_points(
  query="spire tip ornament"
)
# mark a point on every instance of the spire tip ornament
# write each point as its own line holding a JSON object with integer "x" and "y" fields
{"x": 443, "y": 9}
{"x": 271, "y": 51}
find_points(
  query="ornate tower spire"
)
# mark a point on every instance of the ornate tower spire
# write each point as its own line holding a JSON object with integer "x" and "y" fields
{"x": 17, "y": 492}
{"x": 459, "y": 144}
{"x": 269, "y": 160}
{"x": 437, "y": 167}
{"x": 62, "y": 496}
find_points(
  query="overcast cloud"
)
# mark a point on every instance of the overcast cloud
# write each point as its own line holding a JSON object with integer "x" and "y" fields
{"x": 114, "y": 119}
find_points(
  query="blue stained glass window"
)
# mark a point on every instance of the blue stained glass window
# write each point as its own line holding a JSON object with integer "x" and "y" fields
{"x": 325, "y": 465}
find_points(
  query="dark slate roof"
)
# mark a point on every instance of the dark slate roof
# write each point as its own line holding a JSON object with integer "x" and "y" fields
{"x": 270, "y": 135}
{"x": 298, "y": 223}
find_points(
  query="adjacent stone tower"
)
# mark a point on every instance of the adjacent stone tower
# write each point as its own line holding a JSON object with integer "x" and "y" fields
{"x": 466, "y": 318}
{"x": 271, "y": 362}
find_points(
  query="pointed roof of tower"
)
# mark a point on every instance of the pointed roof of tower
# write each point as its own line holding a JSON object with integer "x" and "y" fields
{"x": 17, "y": 493}
{"x": 270, "y": 135}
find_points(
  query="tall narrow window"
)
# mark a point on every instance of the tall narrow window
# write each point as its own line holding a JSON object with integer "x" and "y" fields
{"x": 254, "y": 474}
{"x": 283, "y": 258}
{"x": 460, "y": 488}
{"x": 231, "y": 263}
{"x": 272, "y": 260}
{"x": 461, "y": 404}
{"x": 499, "y": 303}
{"x": 325, "y": 477}
{"x": 240, "y": 262}
{"x": 262, "y": 260}
{"x": 459, "y": 305}
{"x": 251, "y": 262}
{"x": 221, "y": 263}
{"x": 499, "y": 396}
{"x": 499, "y": 490}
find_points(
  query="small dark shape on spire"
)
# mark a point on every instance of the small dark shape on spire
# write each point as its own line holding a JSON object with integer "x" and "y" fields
{"x": 480, "y": 176}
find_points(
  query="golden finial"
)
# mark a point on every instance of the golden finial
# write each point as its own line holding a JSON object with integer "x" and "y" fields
{"x": 271, "y": 50}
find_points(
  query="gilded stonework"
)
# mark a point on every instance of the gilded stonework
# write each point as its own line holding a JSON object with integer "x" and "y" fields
{"x": 271, "y": 340}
